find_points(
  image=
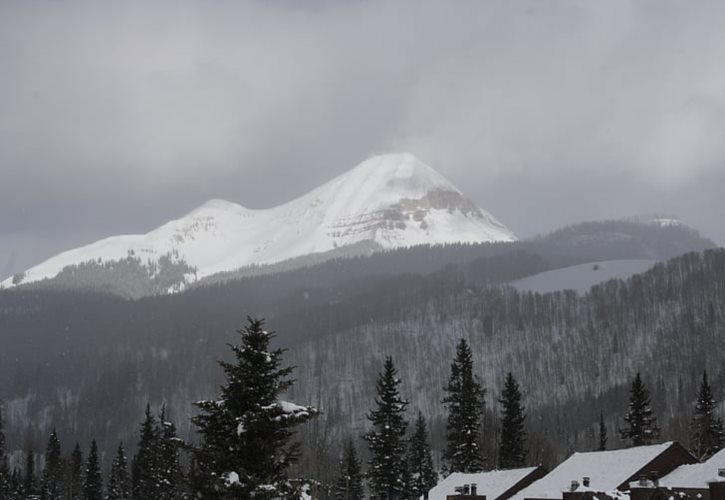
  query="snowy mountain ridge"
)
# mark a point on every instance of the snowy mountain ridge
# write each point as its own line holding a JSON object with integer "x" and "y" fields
{"x": 392, "y": 201}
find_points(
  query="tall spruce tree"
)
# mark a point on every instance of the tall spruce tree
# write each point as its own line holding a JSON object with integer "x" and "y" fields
{"x": 74, "y": 485}
{"x": 16, "y": 485}
{"x": 349, "y": 484}
{"x": 30, "y": 484}
{"x": 512, "y": 451}
{"x": 464, "y": 402}
{"x": 246, "y": 435}
{"x": 119, "y": 487}
{"x": 52, "y": 485}
{"x": 602, "y": 433}
{"x": 420, "y": 461}
{"x": 386, "y": 440}
{"x": 168, "y": 463}
{"x": 641, "y": 426}
{"x": 92, "y": 480}
{"x": 707, "y": 435}
{"x": 144, "y": 469}
{"x": 5, "y": 474}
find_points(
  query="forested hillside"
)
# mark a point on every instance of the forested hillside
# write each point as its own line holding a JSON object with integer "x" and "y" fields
{"x": 134, "y": 278}
{"x": 88, "y": 363}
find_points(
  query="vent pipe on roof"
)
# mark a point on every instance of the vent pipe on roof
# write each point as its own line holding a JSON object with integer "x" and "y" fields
{"x": 474, "y": 489}
{"x": 574, "y": 485}
{"x": 585, "y": 481}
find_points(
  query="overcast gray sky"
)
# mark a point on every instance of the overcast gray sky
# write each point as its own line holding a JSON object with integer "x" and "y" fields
{"x": 117, "y": 116}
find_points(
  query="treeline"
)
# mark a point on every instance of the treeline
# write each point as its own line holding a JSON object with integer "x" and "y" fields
{"x": 89, "y": 363}
{"x": 247, "y": 444}
{"x": 574, "y": 354}
{"x": 155, "y": 471}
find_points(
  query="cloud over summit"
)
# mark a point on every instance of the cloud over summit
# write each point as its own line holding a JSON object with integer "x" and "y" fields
{"x": 147, "y": 108}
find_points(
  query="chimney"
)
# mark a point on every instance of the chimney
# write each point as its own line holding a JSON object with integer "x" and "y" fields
{"x": 717, "y": 489}
{"x": 585, "y": 481}
{"x": 721, "y": 473}
{"x": 466, "y": 489}
{"x": 474, "y": 489}
{"x": 574, "y": 485}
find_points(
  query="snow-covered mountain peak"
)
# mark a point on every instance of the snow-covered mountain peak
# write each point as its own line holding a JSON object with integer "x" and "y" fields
{"x": 387, "y": 201}
{"x": 401, "y": 171}
{"x": 218, "y": 205}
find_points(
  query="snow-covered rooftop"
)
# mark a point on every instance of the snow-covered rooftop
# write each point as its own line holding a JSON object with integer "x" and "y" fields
{"x": 696, "y": 475}
{"x": 493, "y": 484}
{"x": 606, "y": 470}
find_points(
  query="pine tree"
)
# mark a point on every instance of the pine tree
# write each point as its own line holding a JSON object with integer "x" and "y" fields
{"x": 168, "y": 466}
{"x": 386, "y": 440}
{"x": 602, "y": 433}
{"x": 420, "y": 461}
{"x": 75, "y": 481}
{"x": 29, "y": 480}
{"x": 707, "y": 436}
{"x": 118, "y": 481}
{"x": 145, "y": 473}
{"x": 52, "y": 486}
{"x": 512, "y": 452}
{"x": 92, "y": 481}
{"x": 464, "y": 402}
{"x": 348, "y": 485}
{"x": 642, "y": 426}
{"x": 5, "y": 475}
{"x": 246, "y": 434}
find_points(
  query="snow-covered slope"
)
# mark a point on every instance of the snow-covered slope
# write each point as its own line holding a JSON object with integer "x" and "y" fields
{"x": 583, "y": 276}
{"x": 391, "y": 200}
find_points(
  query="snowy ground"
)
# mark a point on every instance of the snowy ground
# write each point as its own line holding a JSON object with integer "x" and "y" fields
{"x": 582, "y": 277}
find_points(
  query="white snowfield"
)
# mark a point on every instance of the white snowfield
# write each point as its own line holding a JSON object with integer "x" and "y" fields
{"x": 582, "y": 277}
{"x": 392, "y": 200}
{"x": 492, "y": 484}
{"x": 606, "y": 470}
{"x": 696, "y": 475}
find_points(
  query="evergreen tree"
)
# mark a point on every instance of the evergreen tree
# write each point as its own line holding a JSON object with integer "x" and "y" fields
{"x": 246, "y": 434}
{"x": 642, "y": 426}
{"x": 30, "y": 486}
{"x": 16, "y": 485}
{"x": 5, "y": 475}
{"x": 52, "y": 486}
{"x": 602, "y": 434}
{"x": 348, "y": 485}
{"x": 92, "y": 481}
{"x": 168, "y": 466}
{"x": 144, "y": 470}
{"x": 420, "y": 461}
{"x": 464, "y": 402}
{"x": 118, "y": 481}
{"x": 386, "y": 440}
{"x": 707, "y": 436}
{"x": 512, "y": 452}
{"x": 74, "y": 485}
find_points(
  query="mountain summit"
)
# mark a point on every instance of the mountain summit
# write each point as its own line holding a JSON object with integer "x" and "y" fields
{"x": 387, "y": 201}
